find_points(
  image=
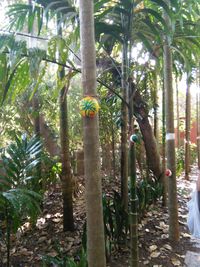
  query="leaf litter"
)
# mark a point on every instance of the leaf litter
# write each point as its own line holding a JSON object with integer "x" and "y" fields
{"x": 155, "y": 248}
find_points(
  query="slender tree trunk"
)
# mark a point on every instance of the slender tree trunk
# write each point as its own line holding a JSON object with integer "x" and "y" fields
{"x": 177, "y": 114}
{"x": 35, "y": 100}
{"x": 155, "y": 107}
{"x": 170, "y": 140}
{"x": 113, "y": 151}
{"x": 124, "y": 130}
{"x": 134, "y": 260}
{"x": 66, "y": 175}
{"x": 94, "y": 210}
{"x": 198, "y": 118}
{"x": 35, "y": 103}
{"x": 150, "y": 143}
{"x": 8, "y": 235}
{"x": 106, "y": 156}
{"x": 134, "y": 208}
{"x": 187, "y": 129}
{"x": 165, "y": 190}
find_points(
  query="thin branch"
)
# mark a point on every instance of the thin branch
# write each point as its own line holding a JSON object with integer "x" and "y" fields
{"x": 79, "y": 71}
{"x": 25, "y": 35}
{"x": 38, "y": 38}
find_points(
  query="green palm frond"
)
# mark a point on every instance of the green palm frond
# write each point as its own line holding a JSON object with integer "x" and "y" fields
{"x": 22, "y": 14}
{"x": 41, "y": 11}
{"x": 21, "y": 158}
{"x": 19, "y": 163}
{"x": 35, "y": 56}
{"x": 55, "y": 44}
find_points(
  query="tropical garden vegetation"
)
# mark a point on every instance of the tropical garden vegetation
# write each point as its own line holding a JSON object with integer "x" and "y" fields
{"x": 104, "y": 83}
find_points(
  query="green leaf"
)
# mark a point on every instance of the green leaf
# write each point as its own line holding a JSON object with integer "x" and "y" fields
{"x": 161, "y": 3}
{"x": 112, "y": 30}
{"x": 8, "y": 83}
{"x": 153, "y": 29}
{"x": 157, "y": 16}
{"x": 99, "y": 4}
{"x": 176, "y": 4}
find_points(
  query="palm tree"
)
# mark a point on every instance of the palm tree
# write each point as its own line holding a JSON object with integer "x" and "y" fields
{"x": 19, "y": 184}
{"x": 95, "y": 228}
{"x": 170, "y": 136}
{"x": 177, "y": 113}
{"x": 187, "y": 126}
{"x": 66, "y": 174}
{"x": 198, "y": 116}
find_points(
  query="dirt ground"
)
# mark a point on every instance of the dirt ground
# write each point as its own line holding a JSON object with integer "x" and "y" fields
{"x": 155, "y": 249}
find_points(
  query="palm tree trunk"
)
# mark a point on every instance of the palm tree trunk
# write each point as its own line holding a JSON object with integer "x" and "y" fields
{"x": 155, "y": 106}
{"x": 170, "y": 140}
{"x": 35, "y": 100}
{"x": 66, "y": 175}
{"x": 187, "y": 129}
{"x": 198, "y": 118}
{"x": 113, "y": 151}
{"x": 177, "y": 114}
{"x": 94, "y": 210}
{"x": 124, "y": 130}
{"x": 134, "y": 207}
{"x": 134, "y": 260}
{"x": 35, "y": 105}
{"x": 164, "y": 200}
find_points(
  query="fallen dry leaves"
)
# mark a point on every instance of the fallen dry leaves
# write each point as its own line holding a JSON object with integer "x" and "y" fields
{"x": 154, "y": 245}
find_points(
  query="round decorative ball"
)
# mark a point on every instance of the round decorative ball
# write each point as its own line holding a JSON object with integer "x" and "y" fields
{"x": 168, "y": 172}
{"x": 89, "y": 107}
{"x": 134, "y": 138}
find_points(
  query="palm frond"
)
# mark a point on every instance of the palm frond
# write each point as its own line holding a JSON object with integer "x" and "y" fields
{"x": 19, "y": 162}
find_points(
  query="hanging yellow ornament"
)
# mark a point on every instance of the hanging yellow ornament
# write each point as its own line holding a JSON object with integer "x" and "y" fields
{"x": 89, "y": 107}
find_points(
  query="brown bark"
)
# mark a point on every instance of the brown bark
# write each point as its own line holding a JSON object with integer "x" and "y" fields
{"x": 155, "y": 107}
{"x": 198, "y": 119}
{"x": 150, "y": 143}
{"x": 170, "y": 138}
{"x": 94, "y": 209}
{"x": 187, "y": 130}
{"x": 66, "y": 175}
{"x": 80, "y": 162}
{"x": 113, "y": 152}
{"x": 106, "y": 157}
{"x": 164, "y": 182}
{"x": 124, "y": 130}
{"x": 177, "y": 114}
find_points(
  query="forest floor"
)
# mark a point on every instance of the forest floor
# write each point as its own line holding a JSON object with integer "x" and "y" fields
{"x": 155, "y": 249}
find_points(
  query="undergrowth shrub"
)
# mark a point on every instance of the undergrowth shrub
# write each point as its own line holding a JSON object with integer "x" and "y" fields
{"x": 148, "y": 192}
{"x": 180, "y": 158}
{"x": 116, "y": 222}
{"x": 18, "y": 180}
{"x": 62, "y": 260}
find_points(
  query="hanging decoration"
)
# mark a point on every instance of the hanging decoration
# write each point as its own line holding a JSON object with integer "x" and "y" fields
{"x": 134, "y": 138}
{"x": 89, "y": 107}
{"x": 168, "y": 172}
